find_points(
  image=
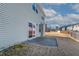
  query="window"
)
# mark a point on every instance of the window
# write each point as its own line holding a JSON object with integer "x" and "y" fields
{"x": 34, "y": 7}
{"x": 36, "y": 11}
{"x": 31, "y": 30}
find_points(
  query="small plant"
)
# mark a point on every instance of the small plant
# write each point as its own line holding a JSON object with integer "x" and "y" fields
{"x": 19, "y": 46}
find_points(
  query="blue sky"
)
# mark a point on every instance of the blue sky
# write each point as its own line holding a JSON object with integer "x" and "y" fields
{"x": 61, "y": 8}
{"x": 61, "y": 13}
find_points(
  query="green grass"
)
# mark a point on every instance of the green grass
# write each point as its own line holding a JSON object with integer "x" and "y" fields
{"x": 18, "y": 49}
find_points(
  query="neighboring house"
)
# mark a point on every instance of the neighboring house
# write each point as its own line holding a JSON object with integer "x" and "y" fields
{"x": 74, "y": 28}
{"x": 20, "y": 22}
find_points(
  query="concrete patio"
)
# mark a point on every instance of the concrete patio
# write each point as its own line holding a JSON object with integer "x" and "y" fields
{"x": 66, "y": 47}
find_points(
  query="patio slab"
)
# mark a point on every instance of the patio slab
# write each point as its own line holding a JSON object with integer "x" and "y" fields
{"x": 51, "y": 42}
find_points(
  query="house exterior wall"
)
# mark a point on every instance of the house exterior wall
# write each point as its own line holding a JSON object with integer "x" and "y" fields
{"x": 74, "y": 28}
{"x": 14, "y": 19}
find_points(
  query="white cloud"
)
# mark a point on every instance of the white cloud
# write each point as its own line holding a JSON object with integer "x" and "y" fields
{"x": 62, "y": 20}
{"x": 49, "y": 12}
{"x": 76, "y": 7}
{"x": 73, "y": 16}
{"x": 58, "y": 19}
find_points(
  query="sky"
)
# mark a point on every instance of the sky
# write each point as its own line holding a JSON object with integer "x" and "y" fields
{"x": 61, "y": 13}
